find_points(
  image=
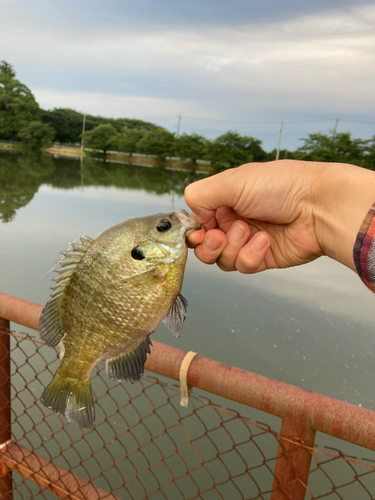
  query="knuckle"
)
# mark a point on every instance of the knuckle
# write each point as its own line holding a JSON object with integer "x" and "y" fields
{"x": 247, "y": 263}
{"x": 227, "y": 259}
{"x": 225, "y": 266}
{"x": 202, "y": 256}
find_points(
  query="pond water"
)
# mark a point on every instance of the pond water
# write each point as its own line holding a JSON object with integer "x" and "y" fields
{"x": 311, "y": 326}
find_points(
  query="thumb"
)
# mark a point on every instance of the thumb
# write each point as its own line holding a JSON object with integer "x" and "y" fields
{"x": 204, "y": 197}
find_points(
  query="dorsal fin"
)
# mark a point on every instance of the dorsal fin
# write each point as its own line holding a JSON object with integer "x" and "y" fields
{"x": 128, "y": 366}
{"x": 50, "y": 321}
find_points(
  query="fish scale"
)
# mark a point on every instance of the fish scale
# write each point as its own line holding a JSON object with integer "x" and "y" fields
{"x": 108, "y": 299}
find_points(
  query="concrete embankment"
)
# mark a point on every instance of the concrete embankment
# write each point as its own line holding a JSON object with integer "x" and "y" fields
{"x": 135, "y": 159}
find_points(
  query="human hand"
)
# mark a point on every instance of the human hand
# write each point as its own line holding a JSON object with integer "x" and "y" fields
{"x": 279, "y": 214}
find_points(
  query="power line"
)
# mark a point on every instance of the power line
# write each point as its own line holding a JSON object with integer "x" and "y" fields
{"x": 229, "y": 121}
{"x": 260, "y": 122}
{"x": 357, "y": 121}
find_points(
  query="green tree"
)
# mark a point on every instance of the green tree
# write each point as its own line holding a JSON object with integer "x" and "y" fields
{"x": 283, "y": 155}
{"x": 102, "y": 137}
{"x": 36, "y": 134}
{"x": 369, "y": 156}
{"x": 158, "y": 142}
{"x": 342, "y": 149}
{"x": 128, "y": 141}
{"x": 118, "y": 123}
{"x": 66, "y": 122}
{"x": 231, "y": 150}
{"x": 7, "y": 69}
{"x": 190, "y": 147}
{"x": 18, "y": 106}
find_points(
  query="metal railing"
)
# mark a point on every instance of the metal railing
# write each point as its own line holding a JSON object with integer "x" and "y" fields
{"x": 162, "y": 449}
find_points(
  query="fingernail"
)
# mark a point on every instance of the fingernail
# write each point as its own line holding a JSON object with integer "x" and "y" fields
{"x": 258, "y": 242}
{"x": 198, "y": 218}
{"x": 235, "y": 233}
{"x": 211, "y": 243}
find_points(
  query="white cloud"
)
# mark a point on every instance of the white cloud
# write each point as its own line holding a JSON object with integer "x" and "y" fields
{"x": 115, "y": 105}
{"x": 322, "y": 64}
{"x": 308, "y": 61}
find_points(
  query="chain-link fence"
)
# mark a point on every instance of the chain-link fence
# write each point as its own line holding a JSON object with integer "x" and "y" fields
{"x": 146, "y": 446}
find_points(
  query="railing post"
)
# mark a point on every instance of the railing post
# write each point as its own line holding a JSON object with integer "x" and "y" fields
{"x": 293, "y": 460}
{"x": 6, "y": 485}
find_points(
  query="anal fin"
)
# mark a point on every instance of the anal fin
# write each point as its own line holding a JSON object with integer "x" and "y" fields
{"x": 176, "y": 315}
{"x": 128, "y": 366}
{"x": 50, "y": 322}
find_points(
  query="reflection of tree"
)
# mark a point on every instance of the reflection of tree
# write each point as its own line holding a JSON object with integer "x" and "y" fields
{"x": 157, "y": 180}
{"x": 21, "y": 176}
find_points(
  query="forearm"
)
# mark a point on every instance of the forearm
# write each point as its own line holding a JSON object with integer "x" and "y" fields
{"x": 343, "y": 196}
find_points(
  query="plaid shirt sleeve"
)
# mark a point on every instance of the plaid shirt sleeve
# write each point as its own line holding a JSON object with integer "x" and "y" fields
{"x": 364, "y": 250}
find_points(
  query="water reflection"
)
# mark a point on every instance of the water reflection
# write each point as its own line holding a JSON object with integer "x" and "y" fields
{"x": 20, "y": 178}
{"x": 311, "y": 326}
{"x": 22, "y": 175}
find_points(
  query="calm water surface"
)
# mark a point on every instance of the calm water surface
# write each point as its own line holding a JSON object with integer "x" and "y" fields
{"x": 311, "y": 326}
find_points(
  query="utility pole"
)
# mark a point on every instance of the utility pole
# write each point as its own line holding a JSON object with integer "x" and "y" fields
{"x": 178, "y": 125}
{"x": 83, "y": 130}
{"x": 335, "y": 129}
{"x": 278, "y": 146}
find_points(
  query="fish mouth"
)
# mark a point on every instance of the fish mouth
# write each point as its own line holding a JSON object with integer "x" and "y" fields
{"x": 189, "y": 223}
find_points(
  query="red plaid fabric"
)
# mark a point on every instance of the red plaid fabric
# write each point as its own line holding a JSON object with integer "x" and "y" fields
{"x": 364, "y": 250}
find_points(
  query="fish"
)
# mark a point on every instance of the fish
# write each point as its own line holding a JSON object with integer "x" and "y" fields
{"x": 110, "y": 295}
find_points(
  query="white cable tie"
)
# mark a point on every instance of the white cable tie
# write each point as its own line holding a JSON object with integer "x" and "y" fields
{"x": 5, "y": 444}
{"x": 184, "y": 368}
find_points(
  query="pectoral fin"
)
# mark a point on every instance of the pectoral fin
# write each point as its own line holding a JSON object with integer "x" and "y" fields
{"x": 175, "y": 317}
{"x": 128, "y": 366}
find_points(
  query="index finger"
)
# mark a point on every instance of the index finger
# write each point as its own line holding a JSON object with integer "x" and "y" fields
{"x": 204, "y": 197}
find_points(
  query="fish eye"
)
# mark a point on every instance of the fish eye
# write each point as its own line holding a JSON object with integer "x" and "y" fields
{"x": 163, "y": 225}
{"x": 137, "y": 253}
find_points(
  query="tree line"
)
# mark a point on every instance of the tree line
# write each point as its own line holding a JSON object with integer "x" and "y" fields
{"x": 22, "y": 119}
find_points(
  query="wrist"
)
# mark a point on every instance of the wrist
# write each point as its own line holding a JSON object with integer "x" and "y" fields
{"x": 343, "y": 194}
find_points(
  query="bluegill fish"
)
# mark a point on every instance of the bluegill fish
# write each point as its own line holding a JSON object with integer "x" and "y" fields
{"x": 110, "y": 295}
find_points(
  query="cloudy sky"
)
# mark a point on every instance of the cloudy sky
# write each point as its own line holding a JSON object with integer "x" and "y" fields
{"x": 243, "y": 65}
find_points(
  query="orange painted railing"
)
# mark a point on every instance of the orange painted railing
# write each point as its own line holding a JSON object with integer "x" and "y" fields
{"x": 302, "y": 413}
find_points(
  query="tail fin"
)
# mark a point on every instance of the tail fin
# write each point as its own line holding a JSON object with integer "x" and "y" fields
{"x": 72, "y": 398}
